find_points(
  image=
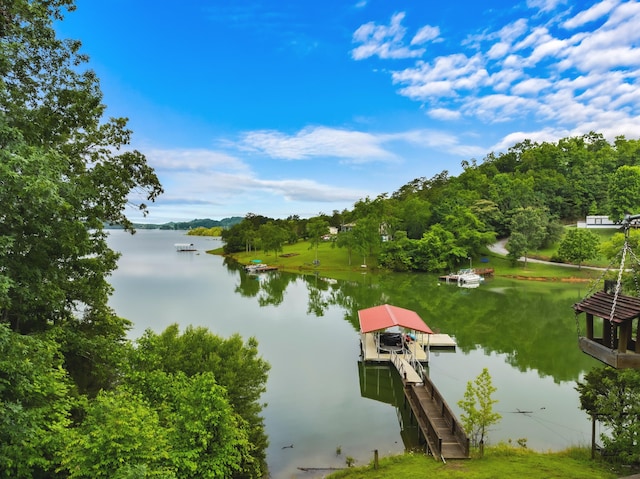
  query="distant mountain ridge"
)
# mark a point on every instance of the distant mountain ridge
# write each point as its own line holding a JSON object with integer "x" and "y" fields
{"x": 185, "y": 225}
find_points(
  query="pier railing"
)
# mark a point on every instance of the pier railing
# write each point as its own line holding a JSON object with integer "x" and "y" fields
{"x": 432, "y": 436}
{"x": 447, "y": 414}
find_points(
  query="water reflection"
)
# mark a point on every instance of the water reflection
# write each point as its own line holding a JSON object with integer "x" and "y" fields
{"x": 533, "y": 325}
{"x": 307, "y": 329}
{"x": 383, "y": 384}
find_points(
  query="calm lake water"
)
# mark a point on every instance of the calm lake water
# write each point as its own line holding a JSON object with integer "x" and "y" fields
{"x": 320, "y": 398}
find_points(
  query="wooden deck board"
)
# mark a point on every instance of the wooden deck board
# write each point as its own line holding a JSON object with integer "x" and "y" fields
{"x": 452, "y": 448}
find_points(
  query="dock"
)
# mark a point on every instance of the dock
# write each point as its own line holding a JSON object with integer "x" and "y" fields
{"x": 439, "y": 427}
{"x": 455, "y": 277}
{"x": 372, "y": 353}
{"x": 443, "y": 434}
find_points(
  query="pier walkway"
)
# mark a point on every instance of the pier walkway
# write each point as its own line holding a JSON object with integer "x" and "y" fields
{"x": 440, "y": 428}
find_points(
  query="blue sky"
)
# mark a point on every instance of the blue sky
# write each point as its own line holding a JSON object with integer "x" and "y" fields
{"x": 294, "y": 108}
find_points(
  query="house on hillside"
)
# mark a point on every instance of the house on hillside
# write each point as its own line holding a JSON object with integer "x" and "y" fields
{"x": 597, "y": 221}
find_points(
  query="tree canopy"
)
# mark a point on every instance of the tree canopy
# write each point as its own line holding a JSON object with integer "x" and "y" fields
{"x": 78, "y": 399}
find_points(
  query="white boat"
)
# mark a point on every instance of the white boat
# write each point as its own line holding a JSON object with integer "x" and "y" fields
{"x": 185, "y": 247}
{"x": 468, "y": 278}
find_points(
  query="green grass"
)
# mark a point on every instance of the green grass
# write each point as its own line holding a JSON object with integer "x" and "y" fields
{"x": 603, "y": 234}
{"x": 498, "y": 462}
{"x": 334, "y": 263}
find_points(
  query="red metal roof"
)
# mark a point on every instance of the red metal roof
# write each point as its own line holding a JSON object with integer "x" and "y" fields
{"x": 387, "y": 316}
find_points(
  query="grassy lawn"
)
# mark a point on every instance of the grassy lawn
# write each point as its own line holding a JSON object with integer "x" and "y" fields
{"x": 604, "y": 234}
{"x": 499, "y": 461}
{"x": 334, "y": 263}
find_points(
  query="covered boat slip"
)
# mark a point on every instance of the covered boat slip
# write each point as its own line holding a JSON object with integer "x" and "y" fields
{"x": 374, "y": 322}
{"x": 444, "y": 436}
{"x": 372, "y": 352}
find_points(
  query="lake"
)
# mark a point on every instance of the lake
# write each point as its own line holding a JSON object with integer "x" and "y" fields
{"x": 320, "y": 400}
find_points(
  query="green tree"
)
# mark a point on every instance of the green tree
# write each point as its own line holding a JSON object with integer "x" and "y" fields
{"x": 206, "y": 437}
{"x": 65, "y": 173}
{"x": 235, "y": 365}
{"x": 396, "y": 254}
{"x": 624, "y": 192}
{"x": 578, "y": 245}
{"x": 35, "y": 404}
{"x": 121, "y": 436}
{"x": 437, "y": 250}
{"x": 528, "y": 232}
{"x": 345, "y": 239}
{"x": 612, "y": 396}
{"x": 366, "y": 234}
{"x": 316, "y": 229}
{"x": 272, "y": 237}
{"x": 477, "y": 406}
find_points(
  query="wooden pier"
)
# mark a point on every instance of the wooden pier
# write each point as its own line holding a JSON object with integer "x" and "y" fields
{"x": 440, "y": 428}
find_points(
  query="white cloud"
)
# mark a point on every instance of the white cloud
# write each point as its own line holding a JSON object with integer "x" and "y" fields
{"x": 309, "y": 190}
{"x": 439, "y": 140}
{"x": 443, "y": 77}
{"x": 353, "y": 146}
{"x": 499, "y": 108}
{"x": 193, "y": 160}
{"x": 509, "y": 33}
{"x": 530, "y": 86}
{"x": 545, "y": 135}
{"x": 530, "y": 70}
{"x": 594, "y": 13}
{"x": 444, "y": 114}
{"x": 545, "y": 5}
{"x": 425, "y": 34}
{"x": 498, "y": 50}
{"x": 384, "y": 41}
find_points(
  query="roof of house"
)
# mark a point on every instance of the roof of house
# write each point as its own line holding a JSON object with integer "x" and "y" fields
{"x": 387, "y": 316}
{"x": 601, "y": 304}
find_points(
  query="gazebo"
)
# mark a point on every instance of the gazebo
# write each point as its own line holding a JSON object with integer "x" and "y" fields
{"x": 380, "y": 318}
{"x": 616, "y": 346}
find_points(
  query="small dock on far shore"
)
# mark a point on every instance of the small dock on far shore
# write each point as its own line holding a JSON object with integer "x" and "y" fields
{"x": 454, "y": 277}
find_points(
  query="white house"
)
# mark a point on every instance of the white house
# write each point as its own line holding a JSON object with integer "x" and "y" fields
{"x": 597, "y": 221}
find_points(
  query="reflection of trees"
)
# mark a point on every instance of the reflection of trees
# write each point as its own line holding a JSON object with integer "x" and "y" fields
{"x": 249, "y": 285}
{"x": 318, "y": 290}
{"x": 532, "y": 324}
{"x": 273, "y": 285}
{"x": 382, "y": 383}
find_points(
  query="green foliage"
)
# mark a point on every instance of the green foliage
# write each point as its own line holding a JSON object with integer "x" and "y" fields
{"x": 235, "y": 365}
{"x": 65, "y": 173}
{"x": 477, "y": 406}
{"x": 624, "y": 192}
{"x": 34, "y": 405}
{"x": 613, "y": 397}
{"x": 499, "y": 461}
{"x": 528, "y": 232}
{"x": 120, "y": 433}
{"x": 202, "y": 231}
{"x": 272, "y": 237}
{"x": 578, "y": 245}
{"x": 316, "y": 229}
